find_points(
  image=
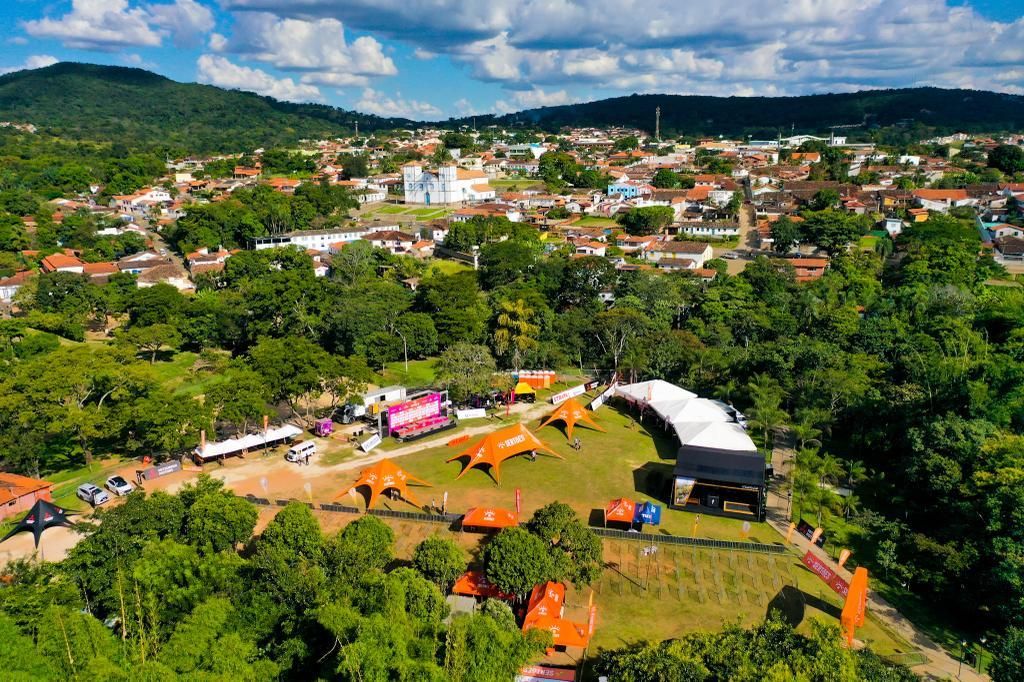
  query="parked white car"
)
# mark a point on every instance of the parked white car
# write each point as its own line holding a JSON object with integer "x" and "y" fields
{"x": 119, "y": 486}
{"x": 92, "y": 494}
{"x": 301, "y": 451}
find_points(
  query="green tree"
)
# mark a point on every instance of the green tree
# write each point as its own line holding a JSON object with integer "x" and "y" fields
{"x": 665, "y": 179}
{"x": 515, "y": 333}
{"x": 646, "y": 220}
{"x": 1008, "y": 158}
{"x": 576, "y": 551}
{"x": 152, "y": 339}
{"x": 1008, "y": 657}
{"x": 465, "y": 370}
{"x": 219, "y": 521}
{"x": 439, "y": 560}
{"x": 785, "y": 234}
{"x": 515, "y": 560}
{"x": 366, "y": 544}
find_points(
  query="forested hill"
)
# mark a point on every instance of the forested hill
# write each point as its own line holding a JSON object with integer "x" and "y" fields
{"x": 966, "y": 110}
{"x": 139, "y": 108}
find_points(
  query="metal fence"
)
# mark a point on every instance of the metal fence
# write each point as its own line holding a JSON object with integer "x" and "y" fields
{"x": 649, "y": 538}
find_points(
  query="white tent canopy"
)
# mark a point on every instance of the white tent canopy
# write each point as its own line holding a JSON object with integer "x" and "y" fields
{"x": 699, "y": 410}
{"x": 717, "y": 435}
{"x": 697, "y": 421}
{"x": 653, "y": 391}
{"x": 249, "y": 441}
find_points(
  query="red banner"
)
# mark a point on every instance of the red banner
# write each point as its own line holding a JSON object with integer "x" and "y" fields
{"x": 840, "y": 586}
{"x": 519, "y": 501}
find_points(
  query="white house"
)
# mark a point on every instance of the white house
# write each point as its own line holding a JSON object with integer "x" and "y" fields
{"x": 710, "y": 229}
{"x": 696, "y": 252}
{"x": 448, "y": 184}
{"x": 320, "y": 240}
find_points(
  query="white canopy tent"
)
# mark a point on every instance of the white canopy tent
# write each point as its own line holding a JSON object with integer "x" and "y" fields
{"x": 233, "y": 446}
{"x": 717, "y": 435}
{"x": 699, "y": 410}
{"x": 654, "y": 391}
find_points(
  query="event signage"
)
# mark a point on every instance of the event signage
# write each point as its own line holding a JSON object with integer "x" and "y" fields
{"x": 543, "y": 673}
{"x": 605, "y": 395}
{"x": 682, "y": 488}
{"x": 160, "y": 470}
{"x": 519, "y": 501}
{"x": 478, "y": 413}
{"x": 648, "y": 513}
{"x": 568, "y": 393}
{"x": 415, "y": 410}
{"x": 371, "y": 442}
{"x": 808, "y": 531}
{"x": 830, "y": 577}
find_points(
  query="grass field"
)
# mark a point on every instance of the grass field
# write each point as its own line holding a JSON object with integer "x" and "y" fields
{"x": 421, "y": 373}
{"x": 449, "y": 267}
{"x": 626, "y": 461}
{"x": 516, "y": 184}
{"x": 591, "y": 221}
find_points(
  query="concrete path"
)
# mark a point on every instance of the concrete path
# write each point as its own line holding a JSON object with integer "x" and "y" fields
{"x": 940, "y": 664}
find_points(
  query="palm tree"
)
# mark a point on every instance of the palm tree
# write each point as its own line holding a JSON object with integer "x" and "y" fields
{"x": 724, "y": 391}
{"x": 855, "y": 472}
{"x": 849, "y": 504}
{"x": 768, "y": 415}
{"x": 805, "y": 434}
{"x": 515, "y": 334}
{"x": 831, "y": 470}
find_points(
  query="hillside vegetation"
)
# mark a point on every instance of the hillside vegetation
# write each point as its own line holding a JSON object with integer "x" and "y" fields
{"x": 137, "y": 107}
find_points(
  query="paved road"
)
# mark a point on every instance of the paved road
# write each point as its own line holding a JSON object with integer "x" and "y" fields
{"x": 940, "y": 664}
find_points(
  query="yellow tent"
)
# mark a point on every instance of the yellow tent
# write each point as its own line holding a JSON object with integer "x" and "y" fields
{"x": 571, "y": 412}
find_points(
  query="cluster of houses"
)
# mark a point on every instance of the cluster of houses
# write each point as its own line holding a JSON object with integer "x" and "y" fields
{"x": 770, "y": 178}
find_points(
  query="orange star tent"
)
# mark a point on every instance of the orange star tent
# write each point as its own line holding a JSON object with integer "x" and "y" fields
{"x": 496, "y": 447}
{"x": 490, "y": 517}
{"x": 621, "y": 510}
{"x": 572, "y": 413}
{"x": 385, "y": 475}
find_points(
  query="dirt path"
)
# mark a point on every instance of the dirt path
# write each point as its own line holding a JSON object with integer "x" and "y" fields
{"x": 940, "y": 664}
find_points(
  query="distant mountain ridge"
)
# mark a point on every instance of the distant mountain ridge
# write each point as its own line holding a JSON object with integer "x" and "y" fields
{"x": 138, "y": 107}
{"x": 967, "y": 110}
{"x": 135, "y": 106}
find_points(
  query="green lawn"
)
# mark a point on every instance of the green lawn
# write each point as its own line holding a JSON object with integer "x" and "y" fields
{"x": 515, "y": 184}
{"x": 391, "y": 209}
{"x": 183, "y": 376}
{"x": 626, "y": 461}
{"x": 449, "y": 267}
{"x": 420, "y": 373}
{"x": 592, "y": 221}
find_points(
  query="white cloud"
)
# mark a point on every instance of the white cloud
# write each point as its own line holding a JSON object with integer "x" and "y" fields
{"x": 531, "y": 99}
{"x": 186, "y": 20}
{"x": 422, "y": 54}
{"x": 317, "y": 49}
{"x": 463, "y": 107}
{"x": 376, "y": 102}
{"x": 109, "y": 25}
{"x": 219, "y": 71}
{"x": 671, "y": 46}
{"x": 36, "y": 61}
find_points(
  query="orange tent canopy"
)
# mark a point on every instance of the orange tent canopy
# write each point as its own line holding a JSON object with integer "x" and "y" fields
{"x": 382, "y": 476}
{"x": 476, "y": 584}
{"x": 572, "y": 413}
{"x": 496, "y": 447}
{"x": 545, "y": 601}
{"x": 620, "y": 510}
{"x": 490, "y": 517}
{"x": 563, "y": 632}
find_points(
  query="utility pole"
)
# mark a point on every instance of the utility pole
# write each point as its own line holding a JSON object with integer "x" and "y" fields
{"x": 657, "y": 123}
{"x": 357, "y": 130}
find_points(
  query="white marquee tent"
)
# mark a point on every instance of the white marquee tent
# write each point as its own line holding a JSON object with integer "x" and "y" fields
{"x": 233, "y": 446}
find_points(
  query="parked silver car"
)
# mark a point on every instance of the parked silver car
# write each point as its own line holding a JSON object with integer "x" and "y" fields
{"x": 92, "y": 494}
{"x": 119, "y": 486}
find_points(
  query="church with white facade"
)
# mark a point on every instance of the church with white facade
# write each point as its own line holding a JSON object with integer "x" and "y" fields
{"x": 448, "y": 184}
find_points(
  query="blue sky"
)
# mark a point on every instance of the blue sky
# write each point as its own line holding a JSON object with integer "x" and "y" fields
{"x": 431, "y": 59}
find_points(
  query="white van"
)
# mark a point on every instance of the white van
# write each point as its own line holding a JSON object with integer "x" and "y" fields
{"x": 299, "y": 451}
